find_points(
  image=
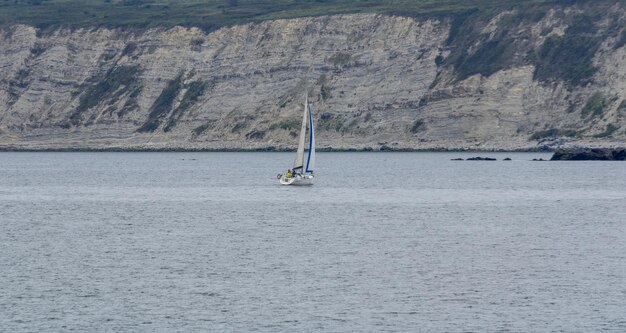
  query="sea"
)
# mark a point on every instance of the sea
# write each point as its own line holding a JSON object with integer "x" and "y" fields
{"x": 382, "y": 242}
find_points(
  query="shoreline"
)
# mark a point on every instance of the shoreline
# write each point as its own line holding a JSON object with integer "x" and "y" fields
{"x": 267, "y": 149}
{"x": 566, "y": 154}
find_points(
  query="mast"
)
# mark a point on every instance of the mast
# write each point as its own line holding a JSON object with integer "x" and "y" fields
{"x": 299, "y": 162}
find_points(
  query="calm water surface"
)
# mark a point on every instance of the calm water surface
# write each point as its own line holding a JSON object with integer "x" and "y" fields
{"x": 383, "y": 242}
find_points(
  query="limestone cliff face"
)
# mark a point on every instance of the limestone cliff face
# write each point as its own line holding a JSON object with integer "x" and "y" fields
{"x": 374, "y": 81}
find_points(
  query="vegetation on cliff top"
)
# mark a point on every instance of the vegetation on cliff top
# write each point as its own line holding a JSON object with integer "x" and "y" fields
{"x": 213, "y": 14}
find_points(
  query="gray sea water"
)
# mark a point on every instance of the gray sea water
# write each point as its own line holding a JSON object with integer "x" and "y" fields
{"x": 383, "y": 242}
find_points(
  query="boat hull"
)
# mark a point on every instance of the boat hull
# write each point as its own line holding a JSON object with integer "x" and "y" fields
{"x": 297, "y": 181}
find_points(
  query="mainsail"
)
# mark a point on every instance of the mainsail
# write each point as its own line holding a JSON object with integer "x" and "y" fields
{"x": 298, "y": 164}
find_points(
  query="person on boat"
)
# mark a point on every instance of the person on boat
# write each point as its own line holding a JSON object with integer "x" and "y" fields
{"x": 288, "y": 173}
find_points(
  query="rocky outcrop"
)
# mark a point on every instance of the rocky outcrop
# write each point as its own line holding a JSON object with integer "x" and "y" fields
{"x": 374, "y": 81}
{"x": 597, "y": 154}
{"x": 479, "y": 158}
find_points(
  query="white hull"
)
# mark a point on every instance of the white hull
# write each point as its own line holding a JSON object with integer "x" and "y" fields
{"x": 298, "y": 180}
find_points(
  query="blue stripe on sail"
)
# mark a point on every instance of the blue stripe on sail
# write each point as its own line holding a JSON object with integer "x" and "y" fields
{"x": 310, "y": 139}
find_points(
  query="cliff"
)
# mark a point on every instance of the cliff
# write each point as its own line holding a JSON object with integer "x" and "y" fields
{"x": 514, "y": 79}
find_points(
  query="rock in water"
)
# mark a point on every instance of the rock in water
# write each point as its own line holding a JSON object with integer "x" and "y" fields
{"x": 595, "y": 154}
{"x": 478, "y": 158}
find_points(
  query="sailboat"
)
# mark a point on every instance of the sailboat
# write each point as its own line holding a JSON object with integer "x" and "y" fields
{"x": 302, "y": 171}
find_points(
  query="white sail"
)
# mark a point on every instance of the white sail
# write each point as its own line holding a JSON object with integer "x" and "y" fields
{"x": 298, "y": 164}
{"x": 310, "y": 164}
{"x": 305, "y": 158}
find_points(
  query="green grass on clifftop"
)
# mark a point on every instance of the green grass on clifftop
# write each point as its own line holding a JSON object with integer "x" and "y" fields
{"x": 210, "y": 15}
